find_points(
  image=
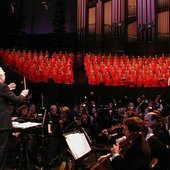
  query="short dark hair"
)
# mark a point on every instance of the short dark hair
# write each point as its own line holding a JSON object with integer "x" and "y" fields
{"x": 134, "y": 124}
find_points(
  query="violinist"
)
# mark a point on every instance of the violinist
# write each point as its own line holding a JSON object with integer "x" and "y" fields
{"x": 133, "y": 153}
{"x": 115, "y": 131}
{"x": 59, "y": 119}
{"x": 158, "y": 149}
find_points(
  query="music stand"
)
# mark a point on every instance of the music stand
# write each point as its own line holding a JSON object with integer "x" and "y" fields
{"x": 23, "y": 142}
{"x": 78, "y": 145}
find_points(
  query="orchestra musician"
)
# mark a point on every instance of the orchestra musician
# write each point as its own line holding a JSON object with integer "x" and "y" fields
{"x": 158, "y": 149}
{"x": 7, "y": 96}
{"x": 24, "y": 113}
{"x": 55, "y": 133}
{"x": 33, "y": 111}
{"x": 58, "y": 120}
{"x": 133, "y": 153}
{"x": 155, "y": 122}
{"x": 19, "y": 137}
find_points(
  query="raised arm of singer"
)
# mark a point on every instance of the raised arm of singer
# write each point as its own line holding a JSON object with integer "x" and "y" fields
{"x": 6, "y": 97}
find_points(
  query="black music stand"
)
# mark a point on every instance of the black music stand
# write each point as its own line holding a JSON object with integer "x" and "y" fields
{"x": 43, "y": 162}
{"x": 78, "y": 145}
{"x": 23, "y": 155}
{"x": 23, "y": 151}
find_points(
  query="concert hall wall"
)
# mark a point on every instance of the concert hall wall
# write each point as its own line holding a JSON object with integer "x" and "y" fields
{"x": 38, "y": 29}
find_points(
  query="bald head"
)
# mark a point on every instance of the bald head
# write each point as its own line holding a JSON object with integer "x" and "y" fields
{"x": 2, "y": 75}
{"x": 151, "y": 119}
{"x": 1, "y": 71}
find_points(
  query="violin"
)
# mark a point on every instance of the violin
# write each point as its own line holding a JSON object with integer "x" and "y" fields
{"x": 110, "y": 132}
{"x": 117, "y": 126}
{"x": 125, "y": 143}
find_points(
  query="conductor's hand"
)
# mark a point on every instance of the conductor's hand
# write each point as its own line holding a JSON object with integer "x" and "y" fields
{"x": 12, "y": 86}
{"x": 24, "y": 92}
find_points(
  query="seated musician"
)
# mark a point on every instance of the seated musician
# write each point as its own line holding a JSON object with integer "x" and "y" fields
{"x": 33, "y": 111}
{"x": 134, "y": 152}
{"x": 115, "y": 131}
{"x": 156, "y": 124}
{"x": 24, "y": 113}
{"x": 29, "y": 136}
{"x": 158, "y": 149}
{"x": 58, "y": 118}
{"x": 27, "y": 113}
{"x": 55, "y": 134}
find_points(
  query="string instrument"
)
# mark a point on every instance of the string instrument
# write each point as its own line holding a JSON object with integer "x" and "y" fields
{"x": 104, "y": 164}
{"x": 124, "y": 145}
{"x": 113, "y": 131}
{"x": 115, "y": 127}
{"x": 140, "y": 104}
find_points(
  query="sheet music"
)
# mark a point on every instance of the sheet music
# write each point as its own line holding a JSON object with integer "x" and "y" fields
{"x": 14, "y": 118}
{"x": 78, "y": 144}
{"x": 25, "y": 125}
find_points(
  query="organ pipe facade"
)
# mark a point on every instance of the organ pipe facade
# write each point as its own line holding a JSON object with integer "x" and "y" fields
{"x": 151, "y": 18}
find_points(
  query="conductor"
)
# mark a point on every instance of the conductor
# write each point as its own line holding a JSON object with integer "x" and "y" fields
{"x": 6, "y": 97}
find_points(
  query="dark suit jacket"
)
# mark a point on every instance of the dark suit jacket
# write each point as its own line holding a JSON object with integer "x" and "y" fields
{"x": 159, "y": 151}
{"x": 7, "y": 96}
{"x": 137, "y": 156}
{"x": 161, "y": 134}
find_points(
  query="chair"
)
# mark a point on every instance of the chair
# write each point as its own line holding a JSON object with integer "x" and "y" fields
{"x": 153, "y": 164}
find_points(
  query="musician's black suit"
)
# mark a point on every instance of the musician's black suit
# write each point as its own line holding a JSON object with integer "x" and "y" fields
{"x": 6, "y": 97}
{"x": 159, "y": 151}
{"x": 137, "y": 157}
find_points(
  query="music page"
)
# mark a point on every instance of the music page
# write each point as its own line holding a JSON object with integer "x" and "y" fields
{"x": 78, "y": 144}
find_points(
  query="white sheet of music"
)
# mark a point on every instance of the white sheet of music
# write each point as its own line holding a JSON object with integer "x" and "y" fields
{"x": 25, "y": 125}
{"x": 78, "y": 144}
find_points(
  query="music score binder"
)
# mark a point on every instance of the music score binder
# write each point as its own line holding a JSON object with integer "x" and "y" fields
{"x": 77, "y": 144}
